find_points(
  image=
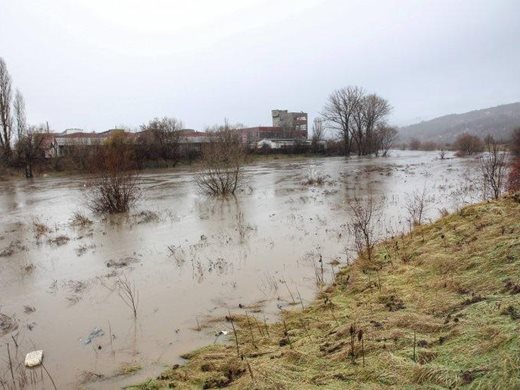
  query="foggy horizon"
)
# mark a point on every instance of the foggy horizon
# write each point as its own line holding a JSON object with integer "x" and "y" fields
{"x": 97, "y": 65}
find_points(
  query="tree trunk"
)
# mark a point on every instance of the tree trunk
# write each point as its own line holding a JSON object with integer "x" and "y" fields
{"x": 28, "y": 171}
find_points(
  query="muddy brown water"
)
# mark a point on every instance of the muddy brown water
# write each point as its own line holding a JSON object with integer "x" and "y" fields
{"x": 193, "y": 261}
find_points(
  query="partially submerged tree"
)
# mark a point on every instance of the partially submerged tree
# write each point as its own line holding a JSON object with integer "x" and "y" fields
{"x": 30, "y": 148}
{"x": 6, "y": 120}
{"x": 114, "y": 187}
{"x": 493, "y": 169}
{"x": 339, "y": 112}
{"x": 128, "y": 294}
{"x": 318, "y": 134}
{"x": 358, "y": 117}
{"x": 414, "y": 144}
{"x": 370, "y": 116}
{"x": 221, "y": 163}
{"x": 19, "y": 114}
{"x": 467, "y": 145}
{"x": 385, "y": 138}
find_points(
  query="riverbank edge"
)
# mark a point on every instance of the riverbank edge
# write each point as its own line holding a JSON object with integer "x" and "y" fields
{"x": 438, "y": 307}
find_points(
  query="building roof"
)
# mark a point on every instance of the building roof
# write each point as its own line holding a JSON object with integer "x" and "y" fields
{"x": 261, "y": 128}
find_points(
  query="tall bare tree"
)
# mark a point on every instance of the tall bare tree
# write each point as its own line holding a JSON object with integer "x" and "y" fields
{"x": 356, "y": 115}
{"x": 371, "y": 113}
{"x": 19, "y": 114}
{"x": 6, "y": 121}
{"x": 318, "y": 133}
{"x": 339, "y": 112}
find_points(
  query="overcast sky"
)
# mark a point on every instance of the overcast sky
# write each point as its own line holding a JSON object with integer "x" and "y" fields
{"x": 96, "y": 64}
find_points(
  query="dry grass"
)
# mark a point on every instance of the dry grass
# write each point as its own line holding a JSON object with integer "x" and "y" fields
{"x": 80, "y": 220}
{"x": 442, "y": 310}
{"x": 13, "y": 248}
{"x": 146, "y": 216}
{"x": 128, "y": 369}
{"x": 59, "y": 240}
{"x": 7, "y": 324}
{"x": 40, "y": 229}
{"x": 315, "y": 178}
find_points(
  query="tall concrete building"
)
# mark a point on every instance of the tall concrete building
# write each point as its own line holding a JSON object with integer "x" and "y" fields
{"x": 293, "y": 123}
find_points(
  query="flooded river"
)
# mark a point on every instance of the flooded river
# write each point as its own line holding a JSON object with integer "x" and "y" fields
{"x": 190, "y": 258}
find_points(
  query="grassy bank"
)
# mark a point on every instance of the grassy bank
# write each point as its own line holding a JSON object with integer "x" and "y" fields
{"x": 439, "y": 308}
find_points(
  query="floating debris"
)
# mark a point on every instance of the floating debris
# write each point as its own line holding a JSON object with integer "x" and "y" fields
{"x": 125, "y": 262}
{"x": 97, "y": 332}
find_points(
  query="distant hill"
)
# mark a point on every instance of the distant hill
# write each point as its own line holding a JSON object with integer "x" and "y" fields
{"x": 498, "y": 121}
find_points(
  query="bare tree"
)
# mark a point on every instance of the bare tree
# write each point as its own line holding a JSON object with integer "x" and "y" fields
{"x": 414, "y": 144}
{"x": 493, "y": 169}
{"x": 513, "y": 179}
{"x": 356, "y": 116}
{"x": 30, "y": 148}
{"x": 372, "y": 113}
{"x": 6, "y": 121}
{"x": 159, "y": 139}
{"x": 467, "y": 144}
{"x": 442, "y": 153}
{"x": 115, "y": 185}
{"x": 19, "y": 114}
{"x": 318, "y": 134}
{"x": 221, "y": 163}
{"x": 515, "y": 142}
{"x": 385, "y": 138}
{"x": 416, "y": 204}
{"x": 365, "y": 214}
{"x": 339, "y": 112}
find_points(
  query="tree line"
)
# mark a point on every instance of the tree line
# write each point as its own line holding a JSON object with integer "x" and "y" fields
{"x": 358, "y": 117}
{"x": 13, "y": 122}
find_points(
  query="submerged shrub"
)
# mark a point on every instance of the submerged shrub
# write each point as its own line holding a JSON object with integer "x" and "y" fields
{"x": 114, "y": 187}
{"x": 222, "y": 160}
